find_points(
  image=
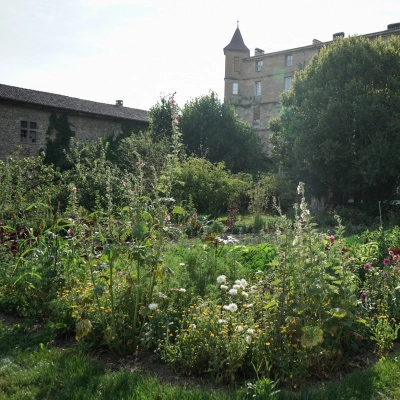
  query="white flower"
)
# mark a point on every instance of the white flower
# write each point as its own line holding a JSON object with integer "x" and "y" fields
{"x": 250, "y": 331}
{"x": 244, "y": 294}
{"x": 221, "y": 321}
{"x": 259, "y": 272}
{"x": 248, "y": 339}
{"x": 253, "y": 289}
{"x": 239, "y": 328}
{"x": 250, "y": 305}
{"x": 192, "y": 326}
{"x": 233, "y": 292}
{"x": 182, "y": 290}
{"x": 162, "y": 295}
{"x": 182, "y": 264}
{"x": 224, "y": 287}
{"x": 227, "y": 240}
{"x": 237, "y": 287}
{"x": 153, "y": 306}
{"x": 243, "y": 282}
{"x": 221, "y": 279}
{"x": 231, "y": 307}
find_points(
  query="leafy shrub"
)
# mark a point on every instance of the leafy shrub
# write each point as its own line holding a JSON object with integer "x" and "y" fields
{"x": 259, "y": 223}
{"x": 217, "y": 227}
{"x": 211, "y": 187}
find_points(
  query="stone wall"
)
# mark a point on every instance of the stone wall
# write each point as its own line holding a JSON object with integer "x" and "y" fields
{"x": 85, "y": 126}
{"x": 271, "y": 76}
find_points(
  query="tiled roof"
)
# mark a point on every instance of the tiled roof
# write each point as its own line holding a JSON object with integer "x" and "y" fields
{"x": 237, "y": 42}
{"x": 66, "y": 103}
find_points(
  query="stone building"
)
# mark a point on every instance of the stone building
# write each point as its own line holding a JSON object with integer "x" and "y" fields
{"x": 253, "y": 84}
{"x": 25, "y": 115}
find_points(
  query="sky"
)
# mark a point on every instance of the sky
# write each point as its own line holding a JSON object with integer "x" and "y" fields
{"x": 140, "y": 50}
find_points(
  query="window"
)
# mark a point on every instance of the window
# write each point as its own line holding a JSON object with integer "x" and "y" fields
{"x": 236, "y": 64}
{"x": 259, "y": 65}
{"x": 288, "y": 61}
{"x": 28, "y": 131}
{"x": 257, "y": 88}
{"x": 256, "y": 116}
{"x": 235, "y": 88}
{"x": 287, "y": 83}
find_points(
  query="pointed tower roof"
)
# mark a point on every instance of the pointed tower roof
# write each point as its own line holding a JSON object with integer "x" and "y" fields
{"x": 237, "y": 43}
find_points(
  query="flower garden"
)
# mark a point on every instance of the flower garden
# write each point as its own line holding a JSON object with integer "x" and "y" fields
{"x": 142, "y": 270}
{"x": 298, "y": 303}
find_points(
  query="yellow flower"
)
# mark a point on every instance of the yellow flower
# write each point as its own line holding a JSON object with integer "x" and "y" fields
{"x": 268, "y": 344}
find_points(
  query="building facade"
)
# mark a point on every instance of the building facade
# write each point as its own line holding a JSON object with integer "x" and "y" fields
{"x": 253, "y": 84}
{"x": 25, "y": 117}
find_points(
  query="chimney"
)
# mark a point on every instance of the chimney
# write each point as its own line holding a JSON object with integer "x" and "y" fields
{"x": 393, "y": 26}
{"x": 338, "y": 35}
{"x": 119, "y": 103}
{"x": 258, "y": 51}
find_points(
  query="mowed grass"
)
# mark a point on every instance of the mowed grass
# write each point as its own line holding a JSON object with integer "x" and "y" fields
{"x": 29, "y": 370}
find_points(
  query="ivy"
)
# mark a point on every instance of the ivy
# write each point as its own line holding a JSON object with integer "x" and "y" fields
{"x": 56, "y": 148}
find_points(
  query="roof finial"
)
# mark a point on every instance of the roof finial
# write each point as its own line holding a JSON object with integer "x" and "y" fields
{"x": 237, "y": 24}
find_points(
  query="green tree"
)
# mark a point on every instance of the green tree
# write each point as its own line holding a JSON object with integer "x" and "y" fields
{"x": 160, "y": 118}
{"x": 212, "y": 130}
{"x": 339, "y": 128}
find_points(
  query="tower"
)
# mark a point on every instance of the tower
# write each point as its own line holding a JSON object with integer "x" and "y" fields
{"x": 234, "y": 52}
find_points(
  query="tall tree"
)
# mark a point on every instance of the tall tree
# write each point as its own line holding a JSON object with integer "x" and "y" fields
{"x": 340, "y": 125}
{"x": 211, "y": 129}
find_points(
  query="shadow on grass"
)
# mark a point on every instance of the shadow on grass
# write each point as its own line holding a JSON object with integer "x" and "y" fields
{"x": 29, "y": 370}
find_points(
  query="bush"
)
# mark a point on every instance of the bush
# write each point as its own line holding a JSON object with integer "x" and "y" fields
{"x": 211, "y": 187}
{"x": 217, "y": 227}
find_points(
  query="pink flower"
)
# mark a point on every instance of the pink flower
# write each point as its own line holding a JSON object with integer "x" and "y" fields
{"x": 176, "y": 121}
{"x": 331, "y": 238}
{"x": 367, "y": 266}
{"x": 363, "y": 296}
{"x": 172, "y": 101}
{"x": 124, "y": 184}
{"x": 69, "y": 231}
{"x": 74, "y": 189}
{"x": 168, "y": 218}
{"x": 386, "y": 261}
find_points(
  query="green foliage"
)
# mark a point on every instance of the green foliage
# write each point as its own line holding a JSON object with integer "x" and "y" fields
{"x": 384, "y": 333}
{"x": 259, "y": 223}
{"x": 160, "y": 117}
{"x": 27, "y": 187}
{"x": 93, "y": 176}
{"x": 217, "y": 227}
{"x": 259, "y": 257}
{"x": 57, "y": 147}
{"x": 212, "y": 130}
{"x": 211, "y": 187}
{"x": 340, "y": 120}
{"x": 141, "y": 148}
